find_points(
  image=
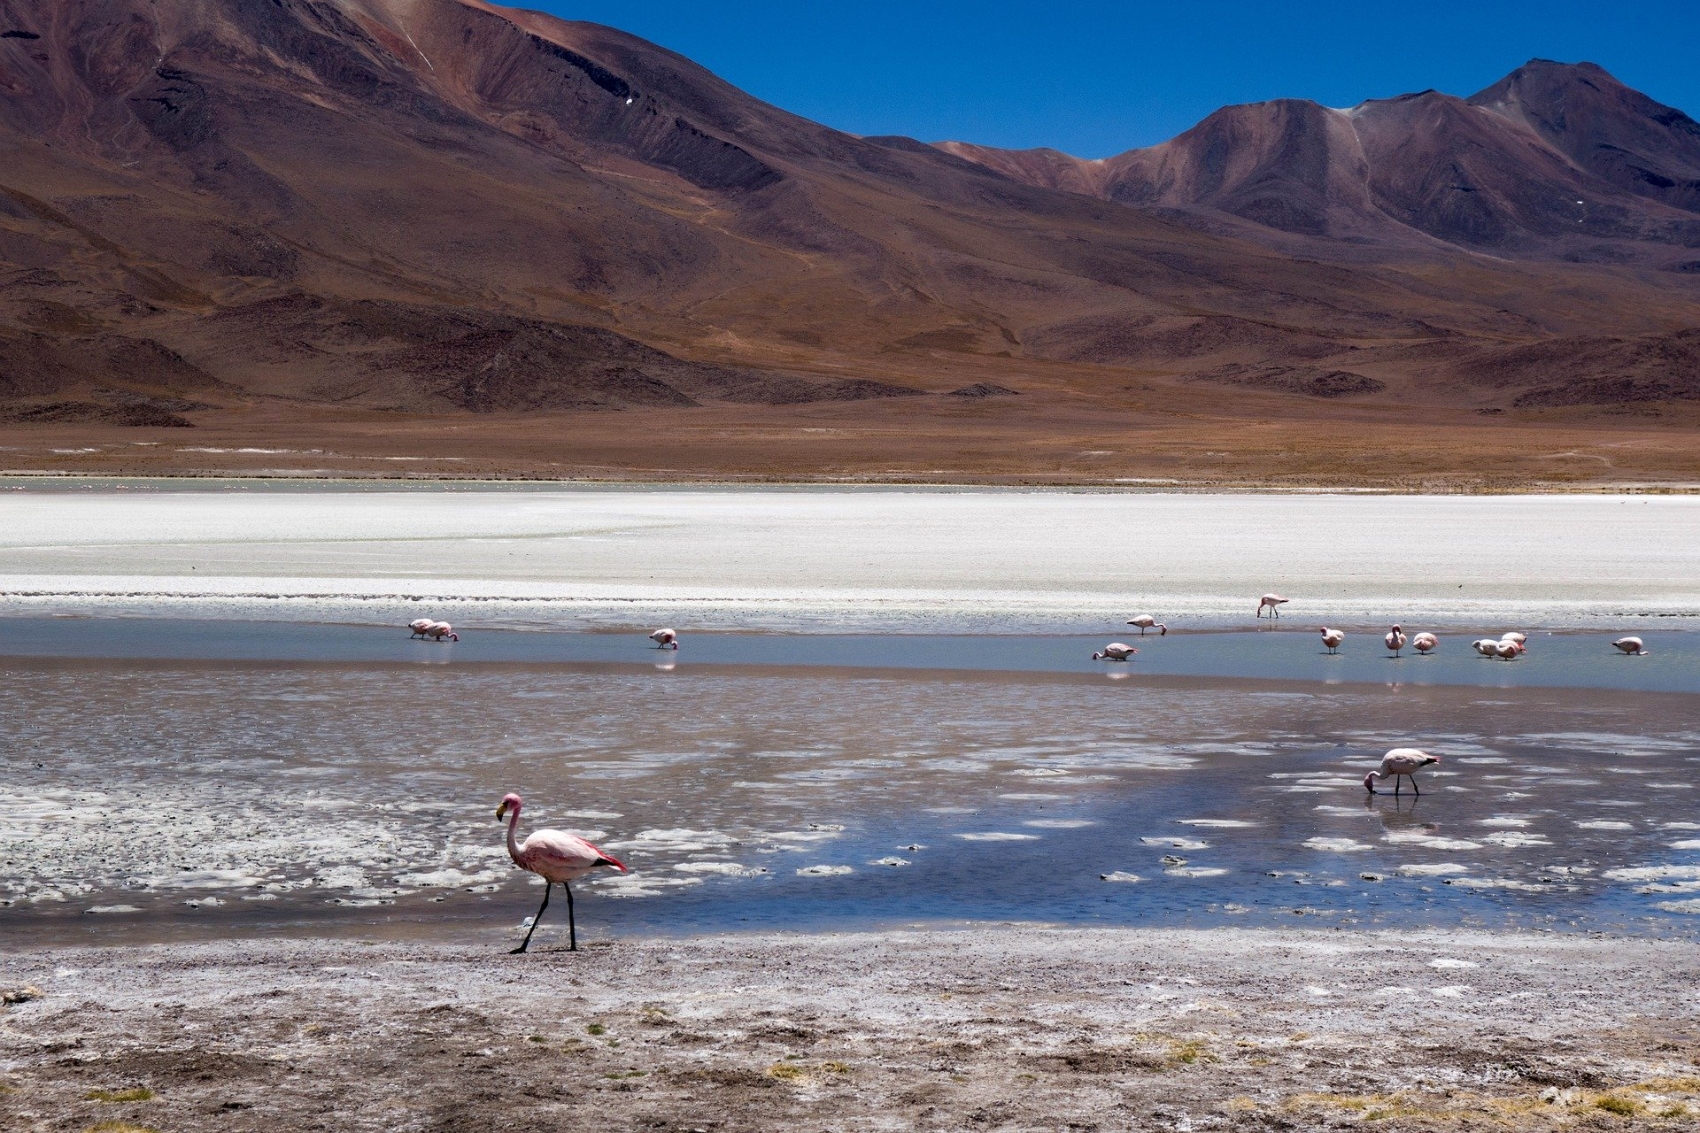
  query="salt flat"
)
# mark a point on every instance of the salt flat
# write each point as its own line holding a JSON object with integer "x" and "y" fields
{"x": 867, "y": 558}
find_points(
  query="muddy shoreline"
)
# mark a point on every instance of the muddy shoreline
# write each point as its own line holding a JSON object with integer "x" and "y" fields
{"x": 1007, "y": 1027}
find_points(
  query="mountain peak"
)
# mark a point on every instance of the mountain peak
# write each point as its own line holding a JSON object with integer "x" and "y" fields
{"x": 1608, "y": 129}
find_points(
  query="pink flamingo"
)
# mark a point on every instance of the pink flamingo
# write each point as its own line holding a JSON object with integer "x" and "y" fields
{"x": 1145, "y": 622}
{"x": 553, "y": 855}
{"x": 1274, "y": 602}
{"x": 1425, "y": 643}
{"x": 436, "y": 631}
{"x": 1401, "y": 761}
{"x": 1395, "y": 639}
{"x": 665, "y": 638}
{"x": 1332, "y": 638}
{"x": 1115, "y": 651}
{"x": 419, "y": 626}
{"x": 1633, "y": 646}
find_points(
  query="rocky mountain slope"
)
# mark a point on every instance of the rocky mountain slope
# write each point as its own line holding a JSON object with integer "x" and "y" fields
{"x": 443, "y": 207}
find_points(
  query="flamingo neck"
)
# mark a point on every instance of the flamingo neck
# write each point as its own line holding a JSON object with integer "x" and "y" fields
{"x": 513, "y": 844}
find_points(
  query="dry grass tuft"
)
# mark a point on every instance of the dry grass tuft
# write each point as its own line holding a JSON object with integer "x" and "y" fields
{"x": 119, "y": 1127}
{"x": 785, "y": 1072}
{"x": 133, "y": 1094}
{"x": 1189, "y": 1052}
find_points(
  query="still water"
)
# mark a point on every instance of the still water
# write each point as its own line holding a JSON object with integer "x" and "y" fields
{"x": 171, "y": 779}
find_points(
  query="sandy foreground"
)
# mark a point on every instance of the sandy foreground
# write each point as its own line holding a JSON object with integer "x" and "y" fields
{"x": 1009, "y": 1028}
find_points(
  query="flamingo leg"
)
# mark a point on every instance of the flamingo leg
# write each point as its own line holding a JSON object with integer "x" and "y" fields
{"x": 538, "y": 919}
{"x": 1398, "y": 781}
{"x": 572, "y": 926}
{"x": 1414, "y": 784}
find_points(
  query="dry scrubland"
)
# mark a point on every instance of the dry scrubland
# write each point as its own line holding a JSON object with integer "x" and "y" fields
{"x": 1061, "y": 432}
{"x": 1003, "y": 1029}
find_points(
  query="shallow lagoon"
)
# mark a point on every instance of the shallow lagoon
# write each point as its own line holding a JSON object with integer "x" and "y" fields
{"x": 232, "y": 734}
{"x": 200, "y": 797}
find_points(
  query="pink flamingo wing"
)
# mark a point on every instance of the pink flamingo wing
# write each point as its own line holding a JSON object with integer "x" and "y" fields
{"x": 557, "y": 847}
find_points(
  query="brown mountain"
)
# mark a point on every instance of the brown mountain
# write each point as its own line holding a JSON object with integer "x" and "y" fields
{"x": 383, "y": 219}
{"x": 1554, "y": 162}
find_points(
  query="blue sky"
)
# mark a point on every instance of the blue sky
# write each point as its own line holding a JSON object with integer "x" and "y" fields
{"x": 1095, "y": 79}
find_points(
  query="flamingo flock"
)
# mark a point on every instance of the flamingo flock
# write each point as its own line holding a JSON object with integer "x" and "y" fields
{"x": 561, "y": 858}
{"x": 436, "y": 631}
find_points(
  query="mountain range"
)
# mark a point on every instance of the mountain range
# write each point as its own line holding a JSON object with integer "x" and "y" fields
{"x": 385, "y": 210}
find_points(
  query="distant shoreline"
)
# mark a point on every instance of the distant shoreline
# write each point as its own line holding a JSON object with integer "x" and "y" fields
{"x": 41, "y": 478}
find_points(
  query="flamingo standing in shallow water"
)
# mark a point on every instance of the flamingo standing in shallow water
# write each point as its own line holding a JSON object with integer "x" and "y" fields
{"x": 1274, "y": 602}
{"x": 1332, "y": 638}
{"x": 419, "y": 626}
{"x": 1395, "y": 639}
{"x": 1145, "y": 622}
{"x": 665, "y": 639}
{"x": 1486, "y": 646}
{"x": 436, "y": 631}
{"x": 1631, "y": 646}
{"x": 553, "y": 855}
{"x": 1425, "y": 643}
{"x": 1114, "y": 651}
{"x": 1508, "y": 650}
{"x": 1401, "y": 761}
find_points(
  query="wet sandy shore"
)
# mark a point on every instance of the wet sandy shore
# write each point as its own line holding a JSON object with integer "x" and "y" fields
{"x": 1008, "y": 1028}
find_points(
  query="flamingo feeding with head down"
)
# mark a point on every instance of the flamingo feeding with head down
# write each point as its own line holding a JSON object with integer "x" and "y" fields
{"x": 436, "y": 631}
{"x": 1400, "y": 762}
{"x": 1509, "y": 650}
{"x": 1631, "y": 645}
{"x": 419, "y": 626}
{"x": 665, "y": 638}
{"x": 1274, "y": 602}
{"x": 555, "y": 856}
{"x": 1145, "y": 622}
{"x": 1395, "y": 639}
{"x": 1114, "y": 651}
{"x": 1332, "y": 638}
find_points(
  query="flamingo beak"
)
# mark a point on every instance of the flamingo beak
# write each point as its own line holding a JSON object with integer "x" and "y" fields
{"x": 502, "y": 811}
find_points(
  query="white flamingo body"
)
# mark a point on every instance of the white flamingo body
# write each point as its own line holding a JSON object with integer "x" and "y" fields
{"x": 1115, "y": 651}
{"x": 436, "y": 631}
{"x": 556, "y": 857}
{"x": 1332, "y": 638}
{"x": 1273, "y": 602}
{"x": 665, "y": 638}
{"x": 1145, "y": 622}
{"x": 1486, "y": 646}
{"x": 1395, "y": 639}
{"x": 1631, "y": 645}
{"x": 1400, "y": 763}
{"x": 419, "y": 626}
{"x": 1508, "y": 650}
{"x": 1425, "y": 643}
{"x": 1519, "y": 638}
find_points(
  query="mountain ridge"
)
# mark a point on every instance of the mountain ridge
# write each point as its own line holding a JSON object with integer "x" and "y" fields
{"x": 439, "y": 208}
{"x": 1369, "y": 171}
